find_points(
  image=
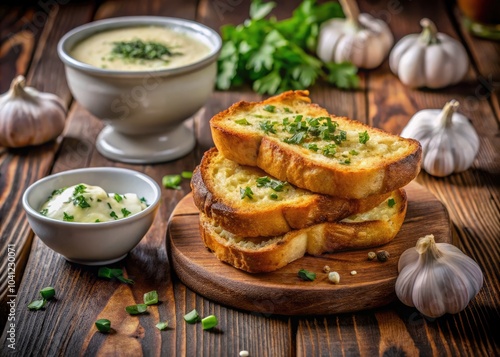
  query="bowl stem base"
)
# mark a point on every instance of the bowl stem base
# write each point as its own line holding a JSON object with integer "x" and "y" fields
{"x": 145, "y": 149}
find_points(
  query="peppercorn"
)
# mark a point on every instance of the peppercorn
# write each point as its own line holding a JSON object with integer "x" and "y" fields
{"x": 383, "y": 255}
{"x": 326, "y": 268}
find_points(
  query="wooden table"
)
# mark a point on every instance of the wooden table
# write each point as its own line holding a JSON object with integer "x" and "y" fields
{"x": 29, "y": 34}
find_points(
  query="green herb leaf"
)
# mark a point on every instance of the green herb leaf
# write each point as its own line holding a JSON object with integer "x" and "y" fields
{"x": 117, "y": 197}
{"x": 343, "y": 75}
{"x": 136, "y": 309}
{"x": 151, "y": 298}
{"x": 126, "y": 212}
{"x": 48, "y": 293}
{"x": 113, "y": 215}
{"x": 80, "y": 201}
{"x": 103, "y": 325}
{"x": 192, "y": 317}
{"x": 162, "y": 325}
{"x": 270, "y": 108}
{"x": 79, "y": 189}
{"x": 276, "y": 185}
{"x": 108, "y": 273}
{"x": 172, "y": 181}
{"x": 391, "y": 202}
{"x": 259, "y": 10}
{"x": 209, "y": 322}
{"x": 246, "y": 192}
{"x": 242, "y": 121}
{"x": 364, "y": 137}
{"x": 67, "y": 217}
{"x": 37, "y": 304}
{"x": 306, "y": 275}
{"x": 44, "y": 211}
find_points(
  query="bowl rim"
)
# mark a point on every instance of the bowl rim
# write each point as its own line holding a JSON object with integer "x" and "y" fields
{"x": 129, "y": 21}
{"x": 36, "y": 214}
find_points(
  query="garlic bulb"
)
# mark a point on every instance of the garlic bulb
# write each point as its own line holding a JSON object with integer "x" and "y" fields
{"x": 437, "y": 278}
{"x": 29, "y": 117}
{"x": 449, "y": 141}
{"x": 430, "y": 59}
{"x": 360, "y": 39}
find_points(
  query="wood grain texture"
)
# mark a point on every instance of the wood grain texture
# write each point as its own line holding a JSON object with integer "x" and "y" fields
{"x": 282, "y": 292}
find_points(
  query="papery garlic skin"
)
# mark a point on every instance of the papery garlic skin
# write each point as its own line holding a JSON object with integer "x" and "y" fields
{"x": 437, "y": 278}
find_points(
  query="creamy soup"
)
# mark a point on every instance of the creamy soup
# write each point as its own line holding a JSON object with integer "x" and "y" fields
{"x": 142, "y": 48}
{"x": 90, "y": 204}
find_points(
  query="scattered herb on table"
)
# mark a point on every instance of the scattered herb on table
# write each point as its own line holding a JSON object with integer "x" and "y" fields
{"x": 151, "y": 298}
{"x": 172, "y": 181}
{"x": 187, "y": 174}
{"x": 109, "y": 273}
{"x": 306, "y": 275}
{"x": 274, "y": 56}
{"x": 103, "y": 325}
{"x": 37, "y": 304}
{"x": 136, "y": 309}
{"x": 162, "y": 325}
{"x": 192, "y": 317}
{"x": 46, "y": 293}
{"x": 209, "y": 322}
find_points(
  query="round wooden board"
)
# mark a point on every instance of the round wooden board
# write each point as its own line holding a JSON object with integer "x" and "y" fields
{"x": 283, "y": 292}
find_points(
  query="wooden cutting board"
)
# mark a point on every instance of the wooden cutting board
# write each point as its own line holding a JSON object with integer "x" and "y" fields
{"x": 283, "y": 292}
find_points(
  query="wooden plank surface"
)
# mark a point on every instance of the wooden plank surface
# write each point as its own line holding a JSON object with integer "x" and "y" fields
{"x": 65, "y": 327}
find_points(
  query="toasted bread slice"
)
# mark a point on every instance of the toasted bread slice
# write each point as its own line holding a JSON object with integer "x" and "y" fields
{"x": 299, "y": 142}
{"x": 265, "y": 254}
{"x": 270, "y": 207}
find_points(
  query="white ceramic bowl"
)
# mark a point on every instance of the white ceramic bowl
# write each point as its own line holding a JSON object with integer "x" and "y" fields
{"x": 144, "y": 110}
{"x": 93, "y": 243}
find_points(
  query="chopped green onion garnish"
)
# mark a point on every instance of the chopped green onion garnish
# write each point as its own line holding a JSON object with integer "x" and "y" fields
{"x": 48, "y": 292}
{"x": 209, "y": 322}
{"x": 364, "y": 137}
{"x": 103, "y": 325}
{"x": 108, "y": 273}
{"x": 151, "y": 298}
{"x": 113, "y": 215}
{"x": 79, "y": 189}
{"x": 273, "y": 196}
{"x": 246, "y": 192}
{"x": 138, "y": 49}
{"x": 37, "y": 304}
{"x": 172, "y": 181}
{"x": 391, "y": 202}
{"x": 162, "y": 325}
{"x": 136, "y": 309}
{"x": 44, "y": 211}
{"x": 67, "y": 217}
{"x": 192, "y": 317}
{"x": 306, "y": 275}
{"x": 117, "y": 197}
{"x": 242, "y": 121}
{"x": 125, "y": 212}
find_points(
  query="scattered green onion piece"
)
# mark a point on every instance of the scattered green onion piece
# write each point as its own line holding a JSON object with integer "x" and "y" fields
{"x": 243, "y": 121}
{"x": 209, "y": 322}
{"x": 151, "y": 298}
{"x": 48, "y": 293}
{"x": 172, "y": 181}
{"x": 136, "y": 309}
{"x": 126, "y": 212}
{"x": 306, "y": 275}
{"x": 192, "y": 317}
{"x": 246, "y": 192}
{"x": 117, "y": 197}
{"x": 67, "y": 217}
{"x": 162, "y": 325}
{"x": 37, "y": 304}
{"x": 108, "y": 273}
{"x": 187, "y": 174}
{"x": 103, "y": 325}
{"x": 364, "y": 137}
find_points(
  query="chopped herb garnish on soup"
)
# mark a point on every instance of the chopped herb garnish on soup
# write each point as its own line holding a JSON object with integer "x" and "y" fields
{"x": 143, "y": 50}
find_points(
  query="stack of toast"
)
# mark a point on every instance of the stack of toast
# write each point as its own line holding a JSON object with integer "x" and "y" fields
{"x": 286, "y": 178}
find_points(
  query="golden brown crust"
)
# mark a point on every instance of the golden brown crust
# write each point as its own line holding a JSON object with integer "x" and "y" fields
{"x": 257, "y": 219}
{"x": 289, "y": 162}
{"x": 265, "y": 254}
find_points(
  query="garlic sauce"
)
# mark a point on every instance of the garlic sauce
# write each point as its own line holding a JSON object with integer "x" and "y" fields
{"x": 90, "y": 204}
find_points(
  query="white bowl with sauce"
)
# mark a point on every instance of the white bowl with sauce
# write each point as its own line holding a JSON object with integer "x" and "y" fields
{"x": 93, "y": 243}
{"x": 143, "y": 102}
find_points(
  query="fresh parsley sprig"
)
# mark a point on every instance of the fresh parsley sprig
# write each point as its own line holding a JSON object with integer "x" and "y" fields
{"x": 274, "y": 56}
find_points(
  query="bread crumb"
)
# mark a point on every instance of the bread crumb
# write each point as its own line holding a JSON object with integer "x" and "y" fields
{"x": 354, "y": 272}
{"x": 244, "y": 353}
